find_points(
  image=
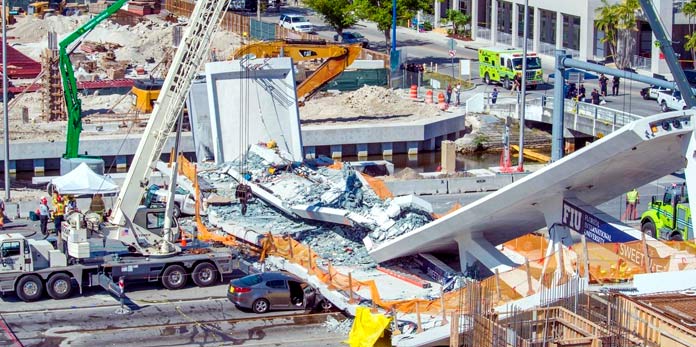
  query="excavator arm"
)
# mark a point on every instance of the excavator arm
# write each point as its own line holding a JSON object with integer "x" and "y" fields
{"x": 72, "y": 102}
{"x": 337, "y": 58}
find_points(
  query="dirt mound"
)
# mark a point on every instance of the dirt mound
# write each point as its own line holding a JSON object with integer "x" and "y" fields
{"x": 368, "y": 103}
{"x": 407, "y": 174}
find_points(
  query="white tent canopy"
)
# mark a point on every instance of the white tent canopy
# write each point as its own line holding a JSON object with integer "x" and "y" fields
{"x": 82, "y": 180}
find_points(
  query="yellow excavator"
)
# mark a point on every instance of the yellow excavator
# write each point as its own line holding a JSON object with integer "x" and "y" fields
{"x": 336, "y": 59}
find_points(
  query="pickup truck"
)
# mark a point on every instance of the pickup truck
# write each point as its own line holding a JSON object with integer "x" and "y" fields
{"x": 670, "y": 100}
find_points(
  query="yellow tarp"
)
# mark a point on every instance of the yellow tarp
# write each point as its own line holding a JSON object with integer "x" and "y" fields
{"x": 367, "y": 328}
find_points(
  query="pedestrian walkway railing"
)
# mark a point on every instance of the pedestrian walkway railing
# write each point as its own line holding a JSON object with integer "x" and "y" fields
{"x": 639, "y": 62}
{"x": 600, "y": 115}
{"x": 547, "y": 48}
{"x": 504, "y": 38}
{"x": 520, "y": 43}
{"x": 483, "y": 33}
{"x": 600, "y": 119}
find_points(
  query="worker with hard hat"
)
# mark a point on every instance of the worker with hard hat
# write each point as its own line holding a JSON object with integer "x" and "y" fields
{"x": 43, "y": 213}
{"x": 58, "y": 211}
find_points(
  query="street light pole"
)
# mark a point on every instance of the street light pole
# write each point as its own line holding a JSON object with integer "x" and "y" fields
{"x": 4, "y": 102}
{"x": 520, "y": 165}
{"x": 393, "y": 41}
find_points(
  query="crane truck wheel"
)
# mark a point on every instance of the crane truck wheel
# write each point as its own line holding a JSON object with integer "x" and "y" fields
{"x": 29, "y": 288}
{"x": 174, "y": 277}
{"x": 649, "y": 228}
{"x": 261, "y": 306}
{"x": 664, "y": 107}
{"x": 204, "y": 274}
{"x": 59, "y": 286}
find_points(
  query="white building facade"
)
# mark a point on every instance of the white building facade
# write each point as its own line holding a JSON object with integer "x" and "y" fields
{"x": 559, "y": 24}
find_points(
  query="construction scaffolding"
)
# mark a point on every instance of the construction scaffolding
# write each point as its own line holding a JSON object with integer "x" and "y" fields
{"x": 52, "y": 97}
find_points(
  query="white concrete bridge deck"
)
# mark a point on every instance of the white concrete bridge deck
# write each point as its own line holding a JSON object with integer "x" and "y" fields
{"x": 629, "y": 157}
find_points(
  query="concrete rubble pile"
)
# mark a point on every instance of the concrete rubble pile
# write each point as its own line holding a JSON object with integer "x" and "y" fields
{"x": 334, "y": 211}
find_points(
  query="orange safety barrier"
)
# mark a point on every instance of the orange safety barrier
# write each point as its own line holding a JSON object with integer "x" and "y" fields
{"x": 429, "y": 97}
{"x": 441, "y": 101}
{"x": 378, "y": 187}
{"x": 190, "y": 170}
{"x": 413, "y": 93}
{"x": 456, "y": 206}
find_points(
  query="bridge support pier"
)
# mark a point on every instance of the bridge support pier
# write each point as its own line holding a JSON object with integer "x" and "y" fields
{"x": 475, "y": 250}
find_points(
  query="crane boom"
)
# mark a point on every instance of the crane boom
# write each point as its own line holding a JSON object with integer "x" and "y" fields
{"x": 72, "y": 102}
{"x": 192, "y": 52}
{"x": 338, "y": 58}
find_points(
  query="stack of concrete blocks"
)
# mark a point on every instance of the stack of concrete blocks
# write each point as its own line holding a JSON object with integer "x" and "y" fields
{"x": 448, "y": 162}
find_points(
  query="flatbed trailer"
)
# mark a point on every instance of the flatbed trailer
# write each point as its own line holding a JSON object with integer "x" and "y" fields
{"x": 31, "y": 268}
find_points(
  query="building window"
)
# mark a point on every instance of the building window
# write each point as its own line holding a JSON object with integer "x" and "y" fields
{"x": 548, "y": 26}
{"x": 599, "y": 46}
{"x": 484, "y": 13}
{"x": 521, "y": 20}
{"x": 505, "y": 17}
{"x": 571, "y": 32}
{"x": 465, "y": 6}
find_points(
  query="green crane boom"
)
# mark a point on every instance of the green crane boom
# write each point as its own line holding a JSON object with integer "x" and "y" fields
{"x": 72, "y": 102}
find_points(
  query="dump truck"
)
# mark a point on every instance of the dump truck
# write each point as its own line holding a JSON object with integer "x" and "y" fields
{"x": 501, "y": 65}
{"x": 669, "y": 218}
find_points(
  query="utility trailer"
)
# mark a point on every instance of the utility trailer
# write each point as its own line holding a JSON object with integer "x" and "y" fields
{"x": 31, "y": 267}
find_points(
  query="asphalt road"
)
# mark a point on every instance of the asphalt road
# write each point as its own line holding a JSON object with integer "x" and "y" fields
{"x": 189, "y": 317}
{"x": 433, "y": 48}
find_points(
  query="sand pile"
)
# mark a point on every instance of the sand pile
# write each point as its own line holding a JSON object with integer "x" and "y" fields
{"x": 32, "y": 29}
{"x": 369, "y": 103}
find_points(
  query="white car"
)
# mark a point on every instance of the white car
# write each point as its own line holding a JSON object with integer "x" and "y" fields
{"x": 185, "y": 202}
{"x": 295, "y": 22}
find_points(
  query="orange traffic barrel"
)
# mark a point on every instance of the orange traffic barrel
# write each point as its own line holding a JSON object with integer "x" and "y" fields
{"x": 429, "y": 97}
{"x": 414, "y": 92}
{"x": 441, "y": 101}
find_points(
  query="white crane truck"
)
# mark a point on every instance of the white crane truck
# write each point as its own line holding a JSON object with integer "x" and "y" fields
{"x": 29, "y": 267}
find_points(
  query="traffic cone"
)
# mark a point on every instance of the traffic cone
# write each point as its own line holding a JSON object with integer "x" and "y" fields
{"x": 414, "y": 92}
{"x": 441, "y": 101}
{"x": 429, "y": 97}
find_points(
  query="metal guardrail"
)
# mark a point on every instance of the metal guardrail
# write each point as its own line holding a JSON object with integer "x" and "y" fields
{"x": 483, "y": 33}
{"x": 583, "y": 113}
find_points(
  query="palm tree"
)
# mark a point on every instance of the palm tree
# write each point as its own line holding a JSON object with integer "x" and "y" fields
{"x": 618, "y": 21}
{"x": 689, "y": 11}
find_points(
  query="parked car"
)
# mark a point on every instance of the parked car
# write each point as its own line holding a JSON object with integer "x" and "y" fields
{"x": 275, "y": 290}
{"x": 650, "y": 93}
{"x": 243, "y": 5}
{"x": 295, "y": 22}
{"x": 352, "y": 37}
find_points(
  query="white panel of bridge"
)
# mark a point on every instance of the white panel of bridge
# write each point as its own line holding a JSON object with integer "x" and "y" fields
{"x": 632, "y": 156}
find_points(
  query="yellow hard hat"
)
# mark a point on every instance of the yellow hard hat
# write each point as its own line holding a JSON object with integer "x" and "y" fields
{"x": 271, "y": 144}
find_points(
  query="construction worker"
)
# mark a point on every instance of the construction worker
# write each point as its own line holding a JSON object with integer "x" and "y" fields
{"x": 58, "y": 211}
{"x": 43, "y": 212}
{"x": 632, "y": 200}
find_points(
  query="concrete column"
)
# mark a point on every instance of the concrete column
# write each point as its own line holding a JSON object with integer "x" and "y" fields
{"x": 430, "y": 145}
{"x": 448, "y": 156}
{"x": 336, "y": 152}
{"x": 515, "y": 24}
{"x": 559, "y": 30}
{"x": 474, "y": 18}
{"x": 310, "y": 152}
{"x": 39, "y": 166}
{"x": 664, "y": 10}
{"x": 387, "y": 149}
{"x": 494, "y": 22}
{"x": 412, "y": 147}
{"x": 455, "y": 5}
{"x": 121, "y": 162}
{"x": 587, "y": 37}
{"x": 437, "y": 9}
{"x": 362, "y": 150}
{"x": 536, "y": 36}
